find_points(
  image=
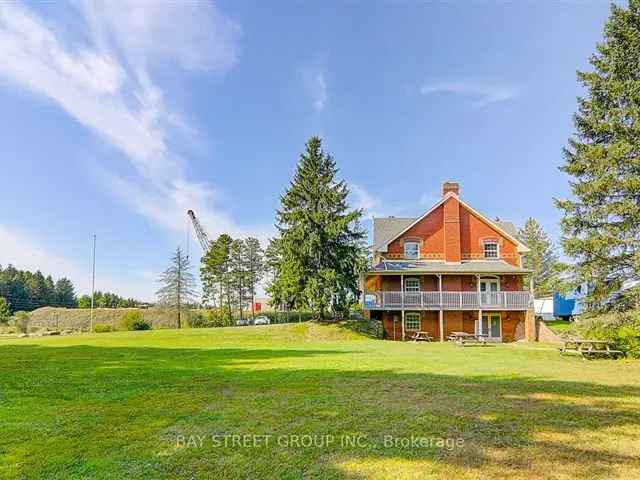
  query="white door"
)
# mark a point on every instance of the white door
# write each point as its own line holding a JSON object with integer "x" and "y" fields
{"x": 489, "y": 292}
{"x": 491, "y": 326}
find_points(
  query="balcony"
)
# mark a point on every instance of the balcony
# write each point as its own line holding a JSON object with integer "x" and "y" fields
{"x": 515, "y": 300}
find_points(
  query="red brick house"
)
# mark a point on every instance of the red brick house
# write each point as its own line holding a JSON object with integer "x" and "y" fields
{"x": 451, "y": 269}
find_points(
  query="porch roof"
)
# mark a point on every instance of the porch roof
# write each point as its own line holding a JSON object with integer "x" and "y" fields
{"x": 470, "y": 266}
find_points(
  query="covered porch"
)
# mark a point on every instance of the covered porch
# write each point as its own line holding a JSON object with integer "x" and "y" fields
{"x": 498, "y": 326}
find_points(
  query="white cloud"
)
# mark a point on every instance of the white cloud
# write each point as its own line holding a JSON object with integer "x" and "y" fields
{"x": 315, "y": 84}
{"x": 106, "y": 84}
{"x": 108, "y": 87}
{"x": 483, "y": 93}
{"x": 362, "y": 198}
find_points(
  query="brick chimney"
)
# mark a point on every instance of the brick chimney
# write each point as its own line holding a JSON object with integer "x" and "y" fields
{"x": 451, "y": 223}
{"x": 450, "y": 187}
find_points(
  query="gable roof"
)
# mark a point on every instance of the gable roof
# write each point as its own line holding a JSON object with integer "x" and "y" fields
{"x": 384, "y": 228}
{"x": 505, "y": 228}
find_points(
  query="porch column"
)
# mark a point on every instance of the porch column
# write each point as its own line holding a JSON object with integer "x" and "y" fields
{"x": 440, "y": 313}
{"x": 479, "y": 327}
{"x": 403, "y": 324}
{"x": 402, "y": 290}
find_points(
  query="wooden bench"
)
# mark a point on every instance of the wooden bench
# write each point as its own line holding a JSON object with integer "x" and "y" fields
{"x": 464, "y": 338}
{"x": 589, "y": 349}
{"x": 421, "y": 337}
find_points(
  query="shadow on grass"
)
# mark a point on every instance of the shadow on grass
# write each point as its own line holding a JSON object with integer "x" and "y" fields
{"x": 509, "y": 426}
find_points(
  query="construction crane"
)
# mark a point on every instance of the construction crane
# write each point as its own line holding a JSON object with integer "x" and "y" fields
{"x": 203, "y": 238}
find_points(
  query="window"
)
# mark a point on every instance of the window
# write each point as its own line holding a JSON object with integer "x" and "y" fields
{"x": 490, "y": 249}
{"x": 411, "y": 284}
{"x": 412, "y": 321}
{"x": 411, "y": 250}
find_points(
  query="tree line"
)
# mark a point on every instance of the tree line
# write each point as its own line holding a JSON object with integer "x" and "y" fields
{"x": 22, "y": 290}
{"x": 25, "y": 290}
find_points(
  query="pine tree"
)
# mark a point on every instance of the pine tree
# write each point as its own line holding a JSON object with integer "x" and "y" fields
{"x": 178, "y": 284}
{"x": 601, "y": 223}
{"x": 239, "y": 273}
{"x": 319, "y": 251}
{"x": 64, "y": 293}
{"x": 255, "y": 268}
{"x": 541, "y": 258}
{"x": 214, "y": 273}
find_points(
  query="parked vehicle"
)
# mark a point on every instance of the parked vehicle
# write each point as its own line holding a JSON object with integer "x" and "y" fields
{"x": 262, "y": 320}
{"x": 242, "y": 323}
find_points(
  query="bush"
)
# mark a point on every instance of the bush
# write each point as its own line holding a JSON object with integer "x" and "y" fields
{"x": 133, "y": 321}
{"x": 102, "y": 328}
{"x": 209, "y": 318}
{"x": 21, "y": 321}
{"x": 621, "y": 328}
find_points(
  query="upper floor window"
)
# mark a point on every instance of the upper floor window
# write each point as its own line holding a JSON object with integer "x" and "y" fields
{"x": 411, "y": 285}
{"x": 411, "y": 250}
{"x": 490, "y": 249}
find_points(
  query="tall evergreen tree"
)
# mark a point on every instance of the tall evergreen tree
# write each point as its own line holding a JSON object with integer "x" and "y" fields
{"x": 64, "y": 293}
{"x": 255, "y": 268}
{"x": 178, "y": 284}
{"x": 601, "y": 223}
{"x": 239, "y": 274}
{"x": 319, "y": 253}
{"x": 541, "y": 258}
{"x": 214, "y": 273}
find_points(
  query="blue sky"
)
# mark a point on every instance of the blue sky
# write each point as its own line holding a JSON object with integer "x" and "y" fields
{"x": 117, "y": 118}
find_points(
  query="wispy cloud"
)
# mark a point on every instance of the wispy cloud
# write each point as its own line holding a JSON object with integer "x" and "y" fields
{"x": 107, "y": 85}
{"x": 373, "y": 205}
{"x": 315, "y": 83}
{"x": 481, "y": 93}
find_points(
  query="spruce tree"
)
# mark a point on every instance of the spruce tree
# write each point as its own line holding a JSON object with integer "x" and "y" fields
{"x": 178, "y": 284}
{"x": 601, "y": 223}
{"x": 319, "y": 253}
{"x": 541, "y": 258}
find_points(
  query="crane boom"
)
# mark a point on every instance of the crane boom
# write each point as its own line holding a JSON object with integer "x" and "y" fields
{"x": 203, "y": 238}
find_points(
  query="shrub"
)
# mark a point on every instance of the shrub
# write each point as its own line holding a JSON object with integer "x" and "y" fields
{"x": 621, "y": 328}
{"x": 133, "y": 321}
{"x": 102, "y": 328}
{"x": 21, "y": 321}
{"x": 209, "y": 318}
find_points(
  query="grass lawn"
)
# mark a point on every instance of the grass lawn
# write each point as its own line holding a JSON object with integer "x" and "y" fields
{"x": 126, "y": 404}
{"x": 558, "y": 326}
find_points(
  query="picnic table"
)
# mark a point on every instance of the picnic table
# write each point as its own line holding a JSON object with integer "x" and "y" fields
{"x": 421, "y": 337}
{"x": 590, "y": 348}
{"x": 464, "y": 338}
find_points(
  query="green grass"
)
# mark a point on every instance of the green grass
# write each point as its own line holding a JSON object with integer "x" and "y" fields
{"x": 114, "y": 405}
{"x": 559, "y": 326}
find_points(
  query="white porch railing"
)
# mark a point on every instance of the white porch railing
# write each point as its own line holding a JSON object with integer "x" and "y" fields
{"x": 518, "y": 300}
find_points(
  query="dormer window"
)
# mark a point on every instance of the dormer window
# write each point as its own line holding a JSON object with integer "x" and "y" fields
{"x": 490, "y": 249}
{"x": 411, "y": 250}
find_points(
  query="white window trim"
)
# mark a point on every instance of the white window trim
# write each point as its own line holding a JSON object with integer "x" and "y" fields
{"x": 406, "y": 319}
{"x": 417, "y": 244}
{"x": 406, "y": 280}
{"x": 484, "y": 249}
